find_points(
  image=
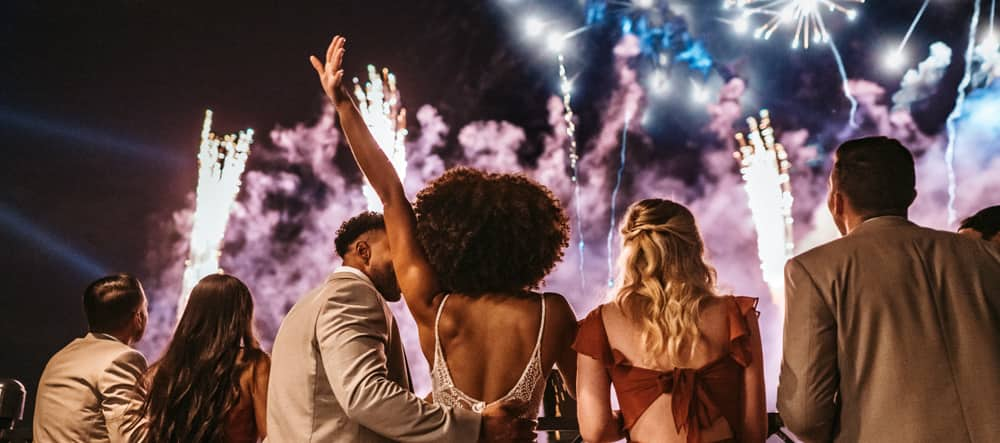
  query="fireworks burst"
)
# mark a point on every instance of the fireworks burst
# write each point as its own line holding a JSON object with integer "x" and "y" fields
{"x": 221, "y": 162}
{"x": 764, "y": 165}
{"x": 805, "y": 16}
{"x": 382, "y": 110}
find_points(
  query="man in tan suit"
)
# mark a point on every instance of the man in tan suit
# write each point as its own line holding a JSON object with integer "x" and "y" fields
{"x": 339, "y": 373}
{"x": 892, "y": 333}
{"x": 89, "y": 390}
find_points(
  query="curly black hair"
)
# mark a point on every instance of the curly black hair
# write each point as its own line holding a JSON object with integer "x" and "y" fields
{"x": 490, "y": 233}
{"x": 351, "y": 229}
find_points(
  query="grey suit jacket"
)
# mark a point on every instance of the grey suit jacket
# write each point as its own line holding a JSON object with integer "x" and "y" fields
{"x": 338, "y": 374}
{"x": 892, "y": 333}
{"x": 89, "y": 393}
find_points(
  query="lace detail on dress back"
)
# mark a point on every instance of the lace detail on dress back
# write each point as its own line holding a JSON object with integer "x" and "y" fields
{"x": 528, "y": 389}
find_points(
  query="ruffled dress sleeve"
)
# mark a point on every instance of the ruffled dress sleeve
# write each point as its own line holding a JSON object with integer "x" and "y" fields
{"x": 739, "y": 329}
{"x": 592, "y": 339}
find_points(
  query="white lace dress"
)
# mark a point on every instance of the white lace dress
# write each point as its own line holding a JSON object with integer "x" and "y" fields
{"x": 528, "y": 389}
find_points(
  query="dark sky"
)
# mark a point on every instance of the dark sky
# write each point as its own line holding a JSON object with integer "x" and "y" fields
{"x": 101, "y": 107}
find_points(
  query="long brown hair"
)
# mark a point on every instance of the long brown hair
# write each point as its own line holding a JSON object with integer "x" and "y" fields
{"x": 196, "y": 383}
{"x": 663, "y": 277}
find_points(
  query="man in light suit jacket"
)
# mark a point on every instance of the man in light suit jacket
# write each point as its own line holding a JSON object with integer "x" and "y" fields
{"x": 339, "y": 373}
{"x": 89, "y": 390}
{"x": 892, "y": 333}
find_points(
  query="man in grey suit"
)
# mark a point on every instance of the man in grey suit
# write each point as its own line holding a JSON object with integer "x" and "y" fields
{"x": 339, "y": 373}
{"x": 89, "y": 390}
{"x": 892, "y": 332}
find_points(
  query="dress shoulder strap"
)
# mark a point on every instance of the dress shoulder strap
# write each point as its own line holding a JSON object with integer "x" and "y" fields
{"x": 437, "y": 320}
{"x": 541, "y": 329}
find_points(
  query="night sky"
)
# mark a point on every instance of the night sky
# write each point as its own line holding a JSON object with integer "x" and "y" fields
{"x": 101, "y": 108}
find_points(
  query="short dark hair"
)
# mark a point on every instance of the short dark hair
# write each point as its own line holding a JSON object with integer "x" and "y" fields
{"x": 488, "y": 232}
{"x": 111, "y": 301}
{"x": 876, "y": 174}
{"x": 985, "y": 222}
{"x": 355, "y": 227}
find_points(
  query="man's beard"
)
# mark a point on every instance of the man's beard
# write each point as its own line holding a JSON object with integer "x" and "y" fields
{"x": 388, "y": 287}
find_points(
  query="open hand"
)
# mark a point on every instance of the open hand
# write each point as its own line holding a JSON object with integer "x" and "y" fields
{"x": 331, "y": 73}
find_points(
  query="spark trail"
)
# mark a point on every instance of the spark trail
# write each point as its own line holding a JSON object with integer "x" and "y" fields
{"x": 956, "y": 113}
{"x": 221, "y": 162}
{"x": 614, "y": 199}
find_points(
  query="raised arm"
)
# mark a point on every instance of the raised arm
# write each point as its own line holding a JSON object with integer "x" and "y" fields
{"x": 416, "y": 278}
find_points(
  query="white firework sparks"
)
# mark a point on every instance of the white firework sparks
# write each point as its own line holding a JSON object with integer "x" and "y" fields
{"x": 764, "y": 165}
{"x": 804, "y": 16}
{"x": 221, "y": 162}
{"x": 382, "y": 110}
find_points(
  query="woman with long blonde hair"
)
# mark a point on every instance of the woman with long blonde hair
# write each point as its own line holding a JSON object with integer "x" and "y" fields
{"x": 686, "y": 363}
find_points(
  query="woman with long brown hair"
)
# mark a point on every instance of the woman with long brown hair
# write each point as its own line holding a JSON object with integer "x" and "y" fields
{"x": 211, "y": 384}
{"x": 685, "y": 362}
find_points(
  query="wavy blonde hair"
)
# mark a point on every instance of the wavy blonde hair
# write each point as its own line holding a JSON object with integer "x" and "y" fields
{"x": 663, "y": 277}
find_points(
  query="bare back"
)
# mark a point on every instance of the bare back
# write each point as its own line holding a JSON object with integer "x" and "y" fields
{"x": 657, "y": 423}
{"x": 488, "y": 341}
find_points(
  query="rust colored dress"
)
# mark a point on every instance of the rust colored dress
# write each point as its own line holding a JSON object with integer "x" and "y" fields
{"x": 698, "y": 396}
{"x": 241, "y": 421}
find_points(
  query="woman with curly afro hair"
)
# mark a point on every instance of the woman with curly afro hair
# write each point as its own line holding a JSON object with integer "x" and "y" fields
{"x": 467, "y": 263}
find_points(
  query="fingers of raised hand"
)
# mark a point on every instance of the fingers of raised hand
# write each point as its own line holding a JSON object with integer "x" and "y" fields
{"x": 338, "y": 59}
{"x": 316, "y": 65}
{"x": 331, "y": 48}
{"x": 335, "y": 45}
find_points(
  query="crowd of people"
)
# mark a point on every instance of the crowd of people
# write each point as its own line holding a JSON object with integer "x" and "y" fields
{"x": 891, "y": 333}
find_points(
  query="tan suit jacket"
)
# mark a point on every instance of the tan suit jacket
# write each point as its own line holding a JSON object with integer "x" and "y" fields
{"x": 339, "y": 374}
{"x": 88, "y": 393}
{"x": 892, "y": 334}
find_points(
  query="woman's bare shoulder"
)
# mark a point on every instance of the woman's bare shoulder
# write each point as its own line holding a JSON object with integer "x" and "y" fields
{"x": 559, "y": 314}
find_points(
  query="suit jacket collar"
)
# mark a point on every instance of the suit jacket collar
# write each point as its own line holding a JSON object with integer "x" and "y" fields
{"x": 353, "y": 271}
{"x": 102, "y": 336}
{"x": 882, "y": 222}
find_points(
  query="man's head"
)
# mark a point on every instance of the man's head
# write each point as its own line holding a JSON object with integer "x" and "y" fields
{"x": 871, "y": 177}
{"x": 116, "y": 305}
{"x": 983, "y": 225}
{"x": 363, "y": 244}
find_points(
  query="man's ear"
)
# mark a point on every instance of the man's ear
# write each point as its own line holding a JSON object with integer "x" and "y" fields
{"x": 364, "y": 251}
{"x": 838, "y": 203}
